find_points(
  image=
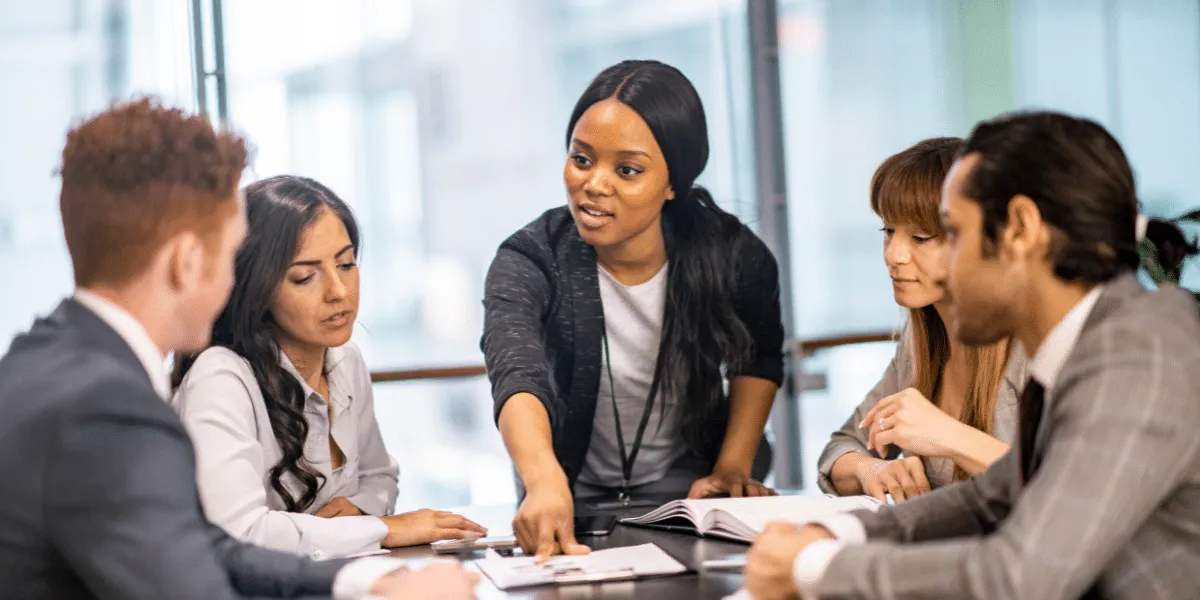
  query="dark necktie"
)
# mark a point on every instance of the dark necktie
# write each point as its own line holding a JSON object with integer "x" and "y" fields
{"x": 1033, "y": 401}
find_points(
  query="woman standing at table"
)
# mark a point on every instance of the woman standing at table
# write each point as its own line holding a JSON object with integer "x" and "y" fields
{"x": 613, "y": 322}
{"x": 951, "y": 408}
{"x": 280, "y": 409}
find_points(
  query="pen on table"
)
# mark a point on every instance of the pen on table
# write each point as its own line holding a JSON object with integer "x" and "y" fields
{"x": 724, "y": 564}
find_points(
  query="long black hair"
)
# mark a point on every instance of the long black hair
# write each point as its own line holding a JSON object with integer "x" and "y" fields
{"x": 278, "y": 211}
{"x": 701, "y": 329}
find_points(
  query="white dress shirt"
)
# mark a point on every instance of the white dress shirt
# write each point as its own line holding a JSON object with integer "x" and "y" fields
{"x": 1045, "y": 366}
{"x": 134, "y": 334}
{"x": 223, "y": 408}
{"x": 353, "y": 581}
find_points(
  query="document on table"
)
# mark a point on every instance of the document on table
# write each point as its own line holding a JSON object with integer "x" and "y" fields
{"x": 614, "y": 564}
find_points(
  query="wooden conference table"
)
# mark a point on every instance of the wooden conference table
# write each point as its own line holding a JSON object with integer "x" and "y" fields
{"x": 687, "y": 549}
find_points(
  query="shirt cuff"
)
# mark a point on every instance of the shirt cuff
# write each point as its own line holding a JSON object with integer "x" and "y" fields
{"x": 355, "y": 535}
{"x": 810, "y": 566}
{"x": 355, "y": 580}
{"x": 845, "y": 527}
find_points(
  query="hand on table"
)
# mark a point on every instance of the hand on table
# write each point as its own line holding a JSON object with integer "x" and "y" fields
{"x": 734, "y": 484}
{"x": 903, "y": 478}
{"x": 768, "y": 572}
{"x": 439, "y": 580}
{"x": 545, "y": 522}
{"x": 425, "y": 526}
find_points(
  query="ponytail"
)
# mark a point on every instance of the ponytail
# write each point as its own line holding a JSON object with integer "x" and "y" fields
{"x": 1164, "y": 247}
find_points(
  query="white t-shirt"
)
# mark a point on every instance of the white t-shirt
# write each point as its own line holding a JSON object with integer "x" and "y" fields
{"x": 633, "y": 320}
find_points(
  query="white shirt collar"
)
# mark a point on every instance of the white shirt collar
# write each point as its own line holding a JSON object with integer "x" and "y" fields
{"x": 1052, "y": 354}
{"x": 333, "y": 358}
{"x": 134, "y": 334}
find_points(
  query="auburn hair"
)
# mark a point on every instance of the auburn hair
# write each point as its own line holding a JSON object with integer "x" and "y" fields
{"x": 906, "y": 190}
{"x": 136, "y": 175}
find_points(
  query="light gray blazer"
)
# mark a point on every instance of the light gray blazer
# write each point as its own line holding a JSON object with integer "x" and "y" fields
{"x": 898, "y": 377}
{"x": 1116, "y": 500}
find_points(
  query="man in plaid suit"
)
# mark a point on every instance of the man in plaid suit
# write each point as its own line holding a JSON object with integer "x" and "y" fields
{"x": 1100, "y": 498}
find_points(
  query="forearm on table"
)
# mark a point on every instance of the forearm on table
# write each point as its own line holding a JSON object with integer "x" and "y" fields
{"x": 525, "y": 427}
{"x": 974, "y": 451}
{"x": 750, "y": 401}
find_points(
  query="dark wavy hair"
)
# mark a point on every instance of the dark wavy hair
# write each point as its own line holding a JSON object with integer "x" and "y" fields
{"x": 278, "y": 211}
{"x": 701, "y": 329}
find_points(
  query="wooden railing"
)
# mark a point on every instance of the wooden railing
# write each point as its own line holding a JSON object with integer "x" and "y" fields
{"x": 807, "y": 347}
{"x": 803, "y": 347}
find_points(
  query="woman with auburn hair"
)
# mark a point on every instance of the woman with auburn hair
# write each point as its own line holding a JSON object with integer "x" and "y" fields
{"x": 943, "y": 411}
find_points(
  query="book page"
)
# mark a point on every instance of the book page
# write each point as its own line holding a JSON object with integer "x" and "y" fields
{"x": 675, "y": 509}
{"x": 755, "y": 513}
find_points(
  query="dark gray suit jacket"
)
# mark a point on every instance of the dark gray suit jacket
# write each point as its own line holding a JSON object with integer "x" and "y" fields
{"x": 99, "y": 497}
{"x": 1116, "y": 500}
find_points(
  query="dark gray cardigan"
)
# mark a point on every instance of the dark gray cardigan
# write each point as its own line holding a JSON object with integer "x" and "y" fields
{"x": 543, "y": 322}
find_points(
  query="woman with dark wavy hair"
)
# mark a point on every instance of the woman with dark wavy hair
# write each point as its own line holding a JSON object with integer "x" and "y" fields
{"x": 633, "y": 336}
{"x": 280, "y": 410}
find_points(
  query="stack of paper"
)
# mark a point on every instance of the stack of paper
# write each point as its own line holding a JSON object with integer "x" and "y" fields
{"x": 614, "y": 564}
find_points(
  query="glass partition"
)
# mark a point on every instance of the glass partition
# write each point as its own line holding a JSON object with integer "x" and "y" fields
{"x": 61, "y": 60}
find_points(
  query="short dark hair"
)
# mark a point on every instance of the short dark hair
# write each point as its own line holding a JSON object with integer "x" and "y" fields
{"x": 137, "y": 174}
{"x": 1078, "y": 176}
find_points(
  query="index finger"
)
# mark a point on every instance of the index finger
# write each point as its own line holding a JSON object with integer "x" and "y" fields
{"x": 917, "y": 470}
{"x": 546, "y": 546}
{"x": 737, "y": 490}
{"x": 875, "y": 489}
{"x": 452, "y": 520}
{"x": 758, "y": 489}
{"x": 875, "y": 410}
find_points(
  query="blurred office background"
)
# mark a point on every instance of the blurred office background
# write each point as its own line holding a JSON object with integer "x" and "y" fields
{"x": 442, "y": 123}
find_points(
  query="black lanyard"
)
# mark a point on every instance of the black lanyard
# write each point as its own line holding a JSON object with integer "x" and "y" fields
{"x": 627, "y": 461}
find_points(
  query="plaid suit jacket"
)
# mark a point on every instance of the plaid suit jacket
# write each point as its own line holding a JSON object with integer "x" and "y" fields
{"x": 1115, "y": 502}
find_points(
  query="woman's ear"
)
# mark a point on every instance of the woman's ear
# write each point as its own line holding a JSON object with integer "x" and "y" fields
{"x": 670, "y": 193}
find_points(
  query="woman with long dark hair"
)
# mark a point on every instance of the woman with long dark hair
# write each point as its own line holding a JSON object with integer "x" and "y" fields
{"x": 280, "y": 408}
{"x": 633, "y": 337}
{"x": 953, "y": 406}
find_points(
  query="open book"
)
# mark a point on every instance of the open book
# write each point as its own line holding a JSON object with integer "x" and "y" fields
{"x": 740, "y": 519}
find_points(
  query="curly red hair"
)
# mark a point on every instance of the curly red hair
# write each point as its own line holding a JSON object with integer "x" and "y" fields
{"x": 138, "y": 174}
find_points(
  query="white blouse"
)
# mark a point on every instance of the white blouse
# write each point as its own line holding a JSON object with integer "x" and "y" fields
{"x": 222, "y": 407}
